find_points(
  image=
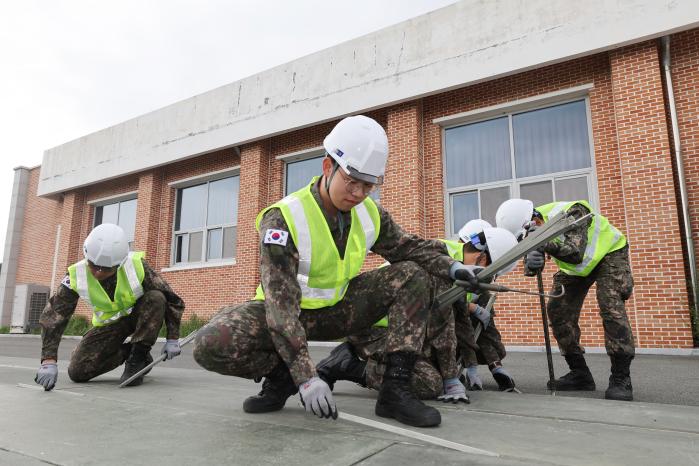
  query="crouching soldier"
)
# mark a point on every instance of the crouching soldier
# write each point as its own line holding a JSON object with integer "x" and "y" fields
{"x": 313, "y": 244}
{"x": 127, "y": 297}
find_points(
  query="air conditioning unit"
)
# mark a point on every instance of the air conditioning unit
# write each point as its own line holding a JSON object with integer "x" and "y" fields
{"x": 30, "y": 300}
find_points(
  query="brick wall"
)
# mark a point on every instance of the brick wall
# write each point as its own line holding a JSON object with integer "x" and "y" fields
{"x": 42, "y": 216}
{"x": 685, "y": 76}
{"x": 660, "y": 295}
{"x": 632, "y": 166}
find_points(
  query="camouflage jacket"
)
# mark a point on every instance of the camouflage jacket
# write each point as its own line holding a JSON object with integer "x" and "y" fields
{"x": 572, "y": 249}
{"x": 279, "y": 265}
{"x": 61, "y": 306}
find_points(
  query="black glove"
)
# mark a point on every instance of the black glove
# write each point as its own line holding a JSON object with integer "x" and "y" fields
{"x": 535, "y": 260}
{"x": 466, "y": 273}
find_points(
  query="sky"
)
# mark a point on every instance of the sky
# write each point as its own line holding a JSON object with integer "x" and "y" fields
{"x": 69, "y": 68}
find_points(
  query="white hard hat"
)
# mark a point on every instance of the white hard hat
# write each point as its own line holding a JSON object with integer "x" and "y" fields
{"x": 472, "y": 227}
{"x": 106, "y": 245}
{"x": 514, "y": 215}
{"x": 360, "y": 146}
{"x": 499, "y": 241}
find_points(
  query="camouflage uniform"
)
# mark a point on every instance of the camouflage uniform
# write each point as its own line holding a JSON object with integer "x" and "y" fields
{"x": 251, "y": 339}
{"x": 437, "y": 360}
{"x": 488, "y": 348}
{"x": 614, "y": 286}
{"x": 102, "y": 348}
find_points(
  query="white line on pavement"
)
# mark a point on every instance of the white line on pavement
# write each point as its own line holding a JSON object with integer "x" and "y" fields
{"x": 415, "y": 435}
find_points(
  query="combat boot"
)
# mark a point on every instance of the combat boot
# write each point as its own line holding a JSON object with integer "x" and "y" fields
{"x": 138, "y": 359}
{"x": 342, "y": 364}
{"x": 620, "y": 381}
{"x": 396, "y": 398}
{"x": 579, "y": 377}
{"x": 277, "y": 387}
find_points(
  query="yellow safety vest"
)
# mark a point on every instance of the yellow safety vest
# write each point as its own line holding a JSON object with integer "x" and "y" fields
{"x": 322, "y": 275}
{"x": 602, "y": 238}
{"x": 128, "y": 289}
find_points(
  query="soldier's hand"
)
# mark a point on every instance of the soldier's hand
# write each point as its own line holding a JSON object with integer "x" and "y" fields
{"x": 484, "y": 316}
{"x": 171, "y": 348}
{"x": 535, "y": 260}
{"x": 466, "y": 273}
{"x": 317, "y": 398}
{"x": 454, "y": 392}
{"x": 47, "y": 375}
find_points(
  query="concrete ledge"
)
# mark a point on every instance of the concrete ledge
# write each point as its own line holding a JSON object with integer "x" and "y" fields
{"x": 597, "y": 350}
{"x": 513, "y": 349}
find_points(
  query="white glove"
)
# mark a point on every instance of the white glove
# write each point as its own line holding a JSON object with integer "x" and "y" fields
{"x": 317, "y": 398}
{"x": 481, "y": 314}
{"x": 454, "y": 391}
{"x": 171, "y": 348}
{"x": 47, "y": 375}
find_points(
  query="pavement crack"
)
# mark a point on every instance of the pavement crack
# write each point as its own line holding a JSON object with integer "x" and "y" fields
{"x": 374, "y": 453}
{"x": 17, "y": 452}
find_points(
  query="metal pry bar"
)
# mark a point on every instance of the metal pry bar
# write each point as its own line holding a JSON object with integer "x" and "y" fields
{"x": 158, "y": 360}
{"x": 506, "y": 289}
{"x": 556, "y": 226}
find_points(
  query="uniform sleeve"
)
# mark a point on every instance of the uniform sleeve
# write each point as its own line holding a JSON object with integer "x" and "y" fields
{"x": 54, "y": 318}
{"x": 278, "y": 268}
{"x": 395, "y": 245}
{"x": 572, "y": 248}
{"x": 175, "y": 305}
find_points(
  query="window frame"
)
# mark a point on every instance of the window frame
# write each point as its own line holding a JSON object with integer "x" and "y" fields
{"x": 116, "y": 199}
{"x": 509, "y": 110}
{"x": 205, "y": 179}
{"x": 299, "y": 156}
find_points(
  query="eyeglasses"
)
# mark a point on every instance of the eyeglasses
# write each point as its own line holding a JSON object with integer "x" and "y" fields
{"x": 99, "y": 268}
{"x": 352, "y": 186}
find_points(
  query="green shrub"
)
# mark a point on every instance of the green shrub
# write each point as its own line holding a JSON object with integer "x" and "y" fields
{"x": 78, "y": 325}
{"x": 186, "y": 327}
{"x": 4, "y": 329}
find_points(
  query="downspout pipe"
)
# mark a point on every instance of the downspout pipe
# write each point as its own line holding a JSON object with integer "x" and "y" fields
{"x": 665, "y": 42}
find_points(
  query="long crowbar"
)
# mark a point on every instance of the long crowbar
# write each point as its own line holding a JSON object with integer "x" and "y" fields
{"x": 157, "y": 360}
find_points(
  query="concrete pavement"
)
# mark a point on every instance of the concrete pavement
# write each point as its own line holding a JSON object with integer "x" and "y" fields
{"x": 185, "y": 415}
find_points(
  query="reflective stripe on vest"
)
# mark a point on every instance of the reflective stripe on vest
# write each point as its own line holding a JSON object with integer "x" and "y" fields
{"x": 128, "y": 289}
{"x": 602, "y": 238}
{"x": 329, "y": 270}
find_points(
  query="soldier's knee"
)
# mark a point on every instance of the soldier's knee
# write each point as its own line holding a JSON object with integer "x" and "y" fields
{"x": 214, "y": 346}
{"x": 77, "y": 374}
{"x": 427, "y": 388}
{"x": 155, "y": 298}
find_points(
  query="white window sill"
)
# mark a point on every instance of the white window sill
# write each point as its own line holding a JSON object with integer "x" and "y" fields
{"x": 199, "y": 265}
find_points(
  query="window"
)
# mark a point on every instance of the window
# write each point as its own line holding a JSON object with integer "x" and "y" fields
{"x": 541, "y": 154}
{"x": 122, "y": 213}
{"x": 206, "y": 218}
{"x": 299, "y": 174}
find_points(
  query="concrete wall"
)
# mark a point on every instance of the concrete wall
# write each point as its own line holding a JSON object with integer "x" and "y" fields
{"x": 462, "y": 44}
{"x": 13, "y": 239}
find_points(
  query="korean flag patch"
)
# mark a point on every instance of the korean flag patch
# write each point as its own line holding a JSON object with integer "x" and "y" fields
{"x": 276, "y": 237}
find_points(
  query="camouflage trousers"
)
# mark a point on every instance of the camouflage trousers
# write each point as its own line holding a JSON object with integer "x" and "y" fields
{"x": 237, "y": 340}
{"x": 102, "y": 349}
{"x": 614, "y": 286}
{"x": 436, "y": 362}
{"x": 489, "y": 347}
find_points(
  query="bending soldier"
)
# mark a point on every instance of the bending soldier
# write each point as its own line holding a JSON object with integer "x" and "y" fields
{"x": 593, "y": 252}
